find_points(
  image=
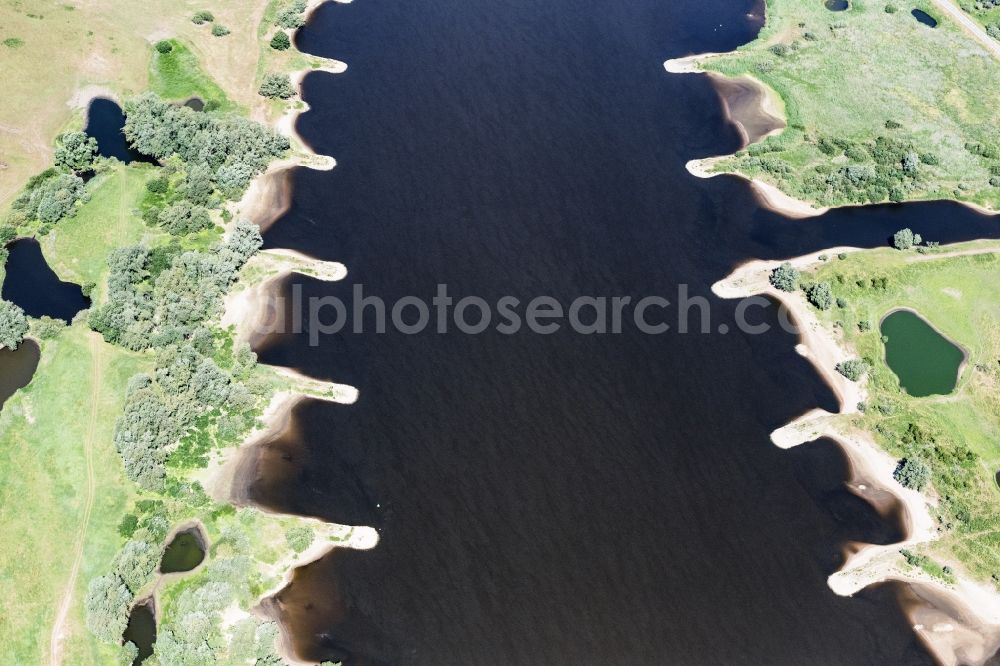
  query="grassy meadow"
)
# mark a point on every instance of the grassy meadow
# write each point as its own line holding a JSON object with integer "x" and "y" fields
{"x": 878, "y": 105}
{"x": 958, "y": 296}
{"x": 103, "y": 46}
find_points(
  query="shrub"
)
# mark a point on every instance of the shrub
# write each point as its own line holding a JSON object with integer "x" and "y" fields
{"x": 219, "y": 30}
{"x": 281, "y": 41}
{"x": 912, "y": 473}
{"x": 930, "y": 159}
{"x": 203, "y": 17}
{"x": 299, "y": 538}
{"x": 780, "y": 50}
{"x": 47, "y": 328}
{"x": 277, "y": 86}
{"x": 904, "y": 239}
{"x": 842, "y": 256}
{"x": 7, "y": 234}
{"x": 820, "y": 295}
{"x": 13, "y": 325}
{"x": 128, "y": 525}
{"x": 158, "y": 185}
{"x": 892, "y": 124}
{"x": 164, "y": 46}
{"x": 785, "y": 277}
{"x": 841, "y": 303}
{"x": 854, "y": 369}
{"x": 864, "y": 326}
{"x": 890, "y": 9}
{"x": 13, "y": 42}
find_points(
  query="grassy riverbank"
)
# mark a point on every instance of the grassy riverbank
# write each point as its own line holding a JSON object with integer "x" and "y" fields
{"x": 61, "y": 437}
{"x": 954, "y": 434}
{"x": 878, "y": 105}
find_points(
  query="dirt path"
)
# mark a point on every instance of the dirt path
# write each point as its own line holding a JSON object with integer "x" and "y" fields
{"x": 970, "y": 26}
{"x": 59, "y": 626}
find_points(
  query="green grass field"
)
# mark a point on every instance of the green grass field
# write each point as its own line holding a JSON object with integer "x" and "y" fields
{"x": 48, "y": 432}
{"x": 958, "y": 296}
{"x": 849, "y": 77}
{"x": 179, "y": 76}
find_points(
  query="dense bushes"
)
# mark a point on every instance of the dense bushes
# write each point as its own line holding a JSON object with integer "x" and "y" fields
{"x": 169, "y": 312}
{"x": 202, "y": 17}
{"x": 75, "y": 151}
{"x": 13, "y": 325}
{"x": 229, "y": 147}
{"x": 107, "y": 604}
{"x": 277, "y": 86}
{"x": 184, "y": 218}
{"x": 293, "y": 16}
{"x": 143, "y": 311}
{"x": 50, "y": 196}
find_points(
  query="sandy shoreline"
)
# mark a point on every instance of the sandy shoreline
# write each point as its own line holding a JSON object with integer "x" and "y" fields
{"x": 227, "y": 479}
{"x": 968, "y": 631}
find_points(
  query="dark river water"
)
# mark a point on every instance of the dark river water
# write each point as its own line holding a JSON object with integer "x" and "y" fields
{"x": 564, "y": 498}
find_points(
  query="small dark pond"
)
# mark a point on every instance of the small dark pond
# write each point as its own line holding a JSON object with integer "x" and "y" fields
{"x": 924, "y": 18}
{"x": 17, "y": 367}
{"x": 925, "y": 361}
{"x": 837, "y": 5}
{"x": 33, "y": 286}
{"x": 105, "y": 121}
{"x": 141, "y": 629}
{"x": 185, "y": 552}
{"x": 195, "y": 103}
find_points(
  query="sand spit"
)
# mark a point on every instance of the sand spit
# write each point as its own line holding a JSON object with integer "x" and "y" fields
{"x": 253, "y": 309}
{"x": 959, "y": 623}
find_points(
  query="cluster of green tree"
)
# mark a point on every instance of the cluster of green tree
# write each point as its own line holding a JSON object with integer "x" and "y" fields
{"x": 157, "y": 297}
{"x": 292, "y": 16}
{"x": 48, "y": 197}
{"x": 109, "y": 597}
{"x": 219, "y": 151}
{"x": 194, "y": 634}
{"x": 904, "y": 239}
{"x": 13, "y": 325}
{"x": 75, "y": 151}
